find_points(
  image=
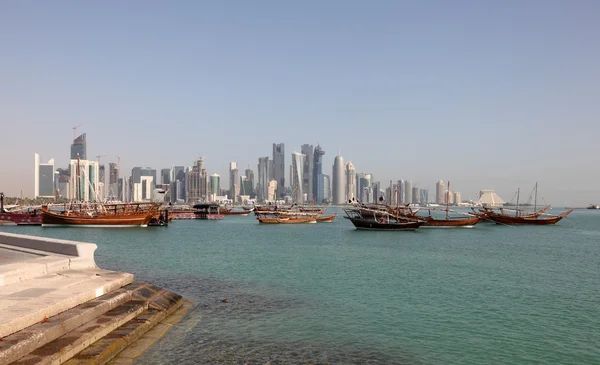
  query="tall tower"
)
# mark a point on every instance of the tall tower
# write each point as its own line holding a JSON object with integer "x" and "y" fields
{"x": 297, "y": 175}
{"x": 264, "y": 176}
{"x": 440, "y": 190}
{"x": 408, "y": 192}
{"x": 339, "y": 180}
{"x": 234, "y": 186}
{"x": 279, "y": 167}
{"x": 79, "y": 148}
{"x": 318, "y": 175}
{"x": 307, "y": 175}
{"x": 43, "y": 178}
{"x": 350, "y": 182}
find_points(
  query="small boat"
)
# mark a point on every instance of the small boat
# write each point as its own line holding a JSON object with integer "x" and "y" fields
{"x": 380, "y": 221}
{"x": 208, "y": 211}
{"x": 286, "y": 220}
{"x": 328, "y": 219}
{"x": 21, "y": 217}
{"x": 593, "y": 206}
{"x": 451, "y": 222}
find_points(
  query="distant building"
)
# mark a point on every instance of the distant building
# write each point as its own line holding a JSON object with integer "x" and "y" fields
{"x": 84, "y": 180}
{"x": 246, "y": 189}
{"x": 318, "y": 174}
{"x": 61, "y": 182}
{"x": 326, "y": 188}
{"x": 457, "y": 197}
{"x": 215, "y": 185}
{"x": 143, "y": 183}
{"x": 350, "y": 182}
{"x": 440, "y": 188}
{"x": 197, "y": 182}
{"x": 424, "y": 196}
{"x": 165, "y": 176}
{"x": 178, "y": 184}
{"x": 113, "y": 181}
{"x": 416, "y": 197}
{"x": 297, "y": 175}
{"x": 489, "y": 198}
{"x": 250, "y": 177}
{"x": 401, "y": 192}
{"x": 79, "y": 148}
{"x": 278, "y": 170}
{"x": 271, "y": 190}
{"x": 307, "y": 174}
{"x": 376, "y": 189}
{"x": 339, "y": 181}
{"x": 364, "y": 190}
{"x": 234, "y": 186}
{"x": 43, "y": 178}
{"x": 408, "y": 192}
{"x": 264, "y": 173}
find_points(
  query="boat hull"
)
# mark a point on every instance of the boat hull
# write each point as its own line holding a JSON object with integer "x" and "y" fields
{"x": 452, "y": 223}
{"x": 325, "y": 219}
{"x": 286, "y": 220}
{"x": 372, "y": 225}
{"x": 50, "y": 219}
{"x": 528, "y": 220}
{"x": 22, "y": 219}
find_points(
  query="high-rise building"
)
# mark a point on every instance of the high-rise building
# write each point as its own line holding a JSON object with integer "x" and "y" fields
{"x": 113, "y": 181}
{"x": 262, "y": 186}
{"x": 339, "y": 180}
{"x": 440, "y": 189}
{"x": 165, "y": 176}
{"x": 307, "y": 174}
{"x": 197, "y": 182}
{"x": 271, "y": 190}
{"x": 43, "y": 178}
{"x": 376, "y": 189}
{"x": 178, "y": 184}
{"x": 101, "y": 182}
{"x": 457, "y": 197}
{"x": 234, "y": 186}
{"x": 79, "y": 148}
{"x": 122, "y": 190}
{"x": 448, "y": 198}
{"x": 401, "y": 192}
{"x": 249, "y": 173}
{"x": 408, "y": 192}
{"x": 61, "y": 182}
{"x": 215, "y": 184}
{"x": 143, "y": 183}
{"x": 246, "y": 187}
{"x": 326, "y": 188}
{"x": 350, "y": 182}
{"x": 84, "y": 180}
{"x": 424, "y": 196}
{"x": 297, "y": 175}
{"x": 278, "y": 172}
{"x": 365, "y": 190}
{"x": 317, "y": 175}
{"x": 416, "y": 197}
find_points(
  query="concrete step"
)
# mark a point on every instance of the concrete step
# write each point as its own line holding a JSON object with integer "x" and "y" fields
{"x": 38, "y": 299}
{"x": 21, "y": 343}
{"x": 109, "y": 324}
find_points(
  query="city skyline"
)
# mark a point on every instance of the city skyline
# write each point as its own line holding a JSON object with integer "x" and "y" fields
{"x": 402, "y": 90}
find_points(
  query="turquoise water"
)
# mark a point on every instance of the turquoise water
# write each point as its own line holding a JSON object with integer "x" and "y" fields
{"x": 326, "y": 293}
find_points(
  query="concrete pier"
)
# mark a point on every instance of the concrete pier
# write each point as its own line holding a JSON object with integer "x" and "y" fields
{"x": 57, "y": 306}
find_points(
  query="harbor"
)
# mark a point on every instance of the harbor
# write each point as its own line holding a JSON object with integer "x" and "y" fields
{"x": 331, "y": 294}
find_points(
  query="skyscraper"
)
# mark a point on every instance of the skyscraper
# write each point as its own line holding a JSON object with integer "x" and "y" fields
{"x": 416, "y": 197}
{"x": 165, "y": 176}
{"x": 143, "y": 183}
{"x": 297, "y": 174}
{"x": 234, "y": 186}
{"x": 264, "y": 173}
{"x": 350, "y": 182}
{"x": 307, "y": 174}
{"x": 279, "y": 167}
{"x": 79, "y": 148}
{"x": 215, "y": 184}
{"x": 326, "y": 188}
{"x": 178, "y": 184}
{"x": 376, "y": 188}
{"x": 84, "y": 180}
{"x": 249, "y": 173}
{"x": 113, "y": 181}
{"x": 43, "y": 178}
{"x": 439, "y": 192}
{"x": 339, "y": 180}
{"x": 401, "y": 192}
{"x": 457, "y": 197}
{"x": 101, "y": 181}
{"x": 408, "y": 192}
{"x": 318, "y": 175}
{"x": 424, "y": 196}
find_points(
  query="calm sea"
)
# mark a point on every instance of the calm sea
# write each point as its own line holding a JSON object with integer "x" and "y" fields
{"x": 326, "y": 293}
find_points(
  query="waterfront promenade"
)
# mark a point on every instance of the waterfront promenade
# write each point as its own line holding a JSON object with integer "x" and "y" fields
{"x": 57, "y": 306}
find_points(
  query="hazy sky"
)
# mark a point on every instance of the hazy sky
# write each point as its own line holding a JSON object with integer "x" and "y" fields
{"x": 487, "y": 94}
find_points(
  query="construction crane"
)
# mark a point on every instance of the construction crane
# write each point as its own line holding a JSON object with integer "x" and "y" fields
{"x": 99, "y": 156}
{"x": 75, "y": 130}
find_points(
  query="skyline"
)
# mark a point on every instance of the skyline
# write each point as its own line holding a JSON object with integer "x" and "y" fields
{"x": 488, "y": 96}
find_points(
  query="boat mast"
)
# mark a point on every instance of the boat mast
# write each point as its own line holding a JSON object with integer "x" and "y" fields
{"x": 518, "y": 192}
{"x": 78, "y": 180}
{"x": 447, "y": 199}
{"x": 535, "y": 201}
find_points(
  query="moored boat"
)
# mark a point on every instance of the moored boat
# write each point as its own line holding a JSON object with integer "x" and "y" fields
{"x": 323, "y": 219}
{"x": 208, "y": 211}
{"x": 100, "y": 215}
{"x": 31, "y": 217}
{"x": 286, "y": 220}
{"x": 379, "y": 220}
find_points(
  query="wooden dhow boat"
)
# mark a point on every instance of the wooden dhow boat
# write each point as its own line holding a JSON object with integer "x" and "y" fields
{"x": 379, "y": 221}
{"x": 286, "y": 220}
{"x": 21, "y": 216}
{"x": 101, "y": 215}
{"x": 323, "y": 219}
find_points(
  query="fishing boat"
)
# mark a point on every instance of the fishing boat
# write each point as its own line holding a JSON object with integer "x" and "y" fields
{"x": 20, "y": 216}
{"x": 208, "y": 211}
{"x": 101, "y": 215}
{"x": 380, "y": 221}
{"x": 527, "y": 219}
{"x": 323, "y": 219}
{"x": 286, "y": 220}
{"x": 231, "y": 211}
{"x": 593, "y": 206}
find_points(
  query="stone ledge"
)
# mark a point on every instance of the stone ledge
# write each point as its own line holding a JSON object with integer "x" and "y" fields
{"x": 51, "y": 245}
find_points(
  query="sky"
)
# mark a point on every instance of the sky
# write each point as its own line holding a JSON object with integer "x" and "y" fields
{"x": 487, "y": 95}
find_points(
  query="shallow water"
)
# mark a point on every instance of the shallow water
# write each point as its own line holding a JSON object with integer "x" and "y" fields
{"x": 326, "y": 293}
